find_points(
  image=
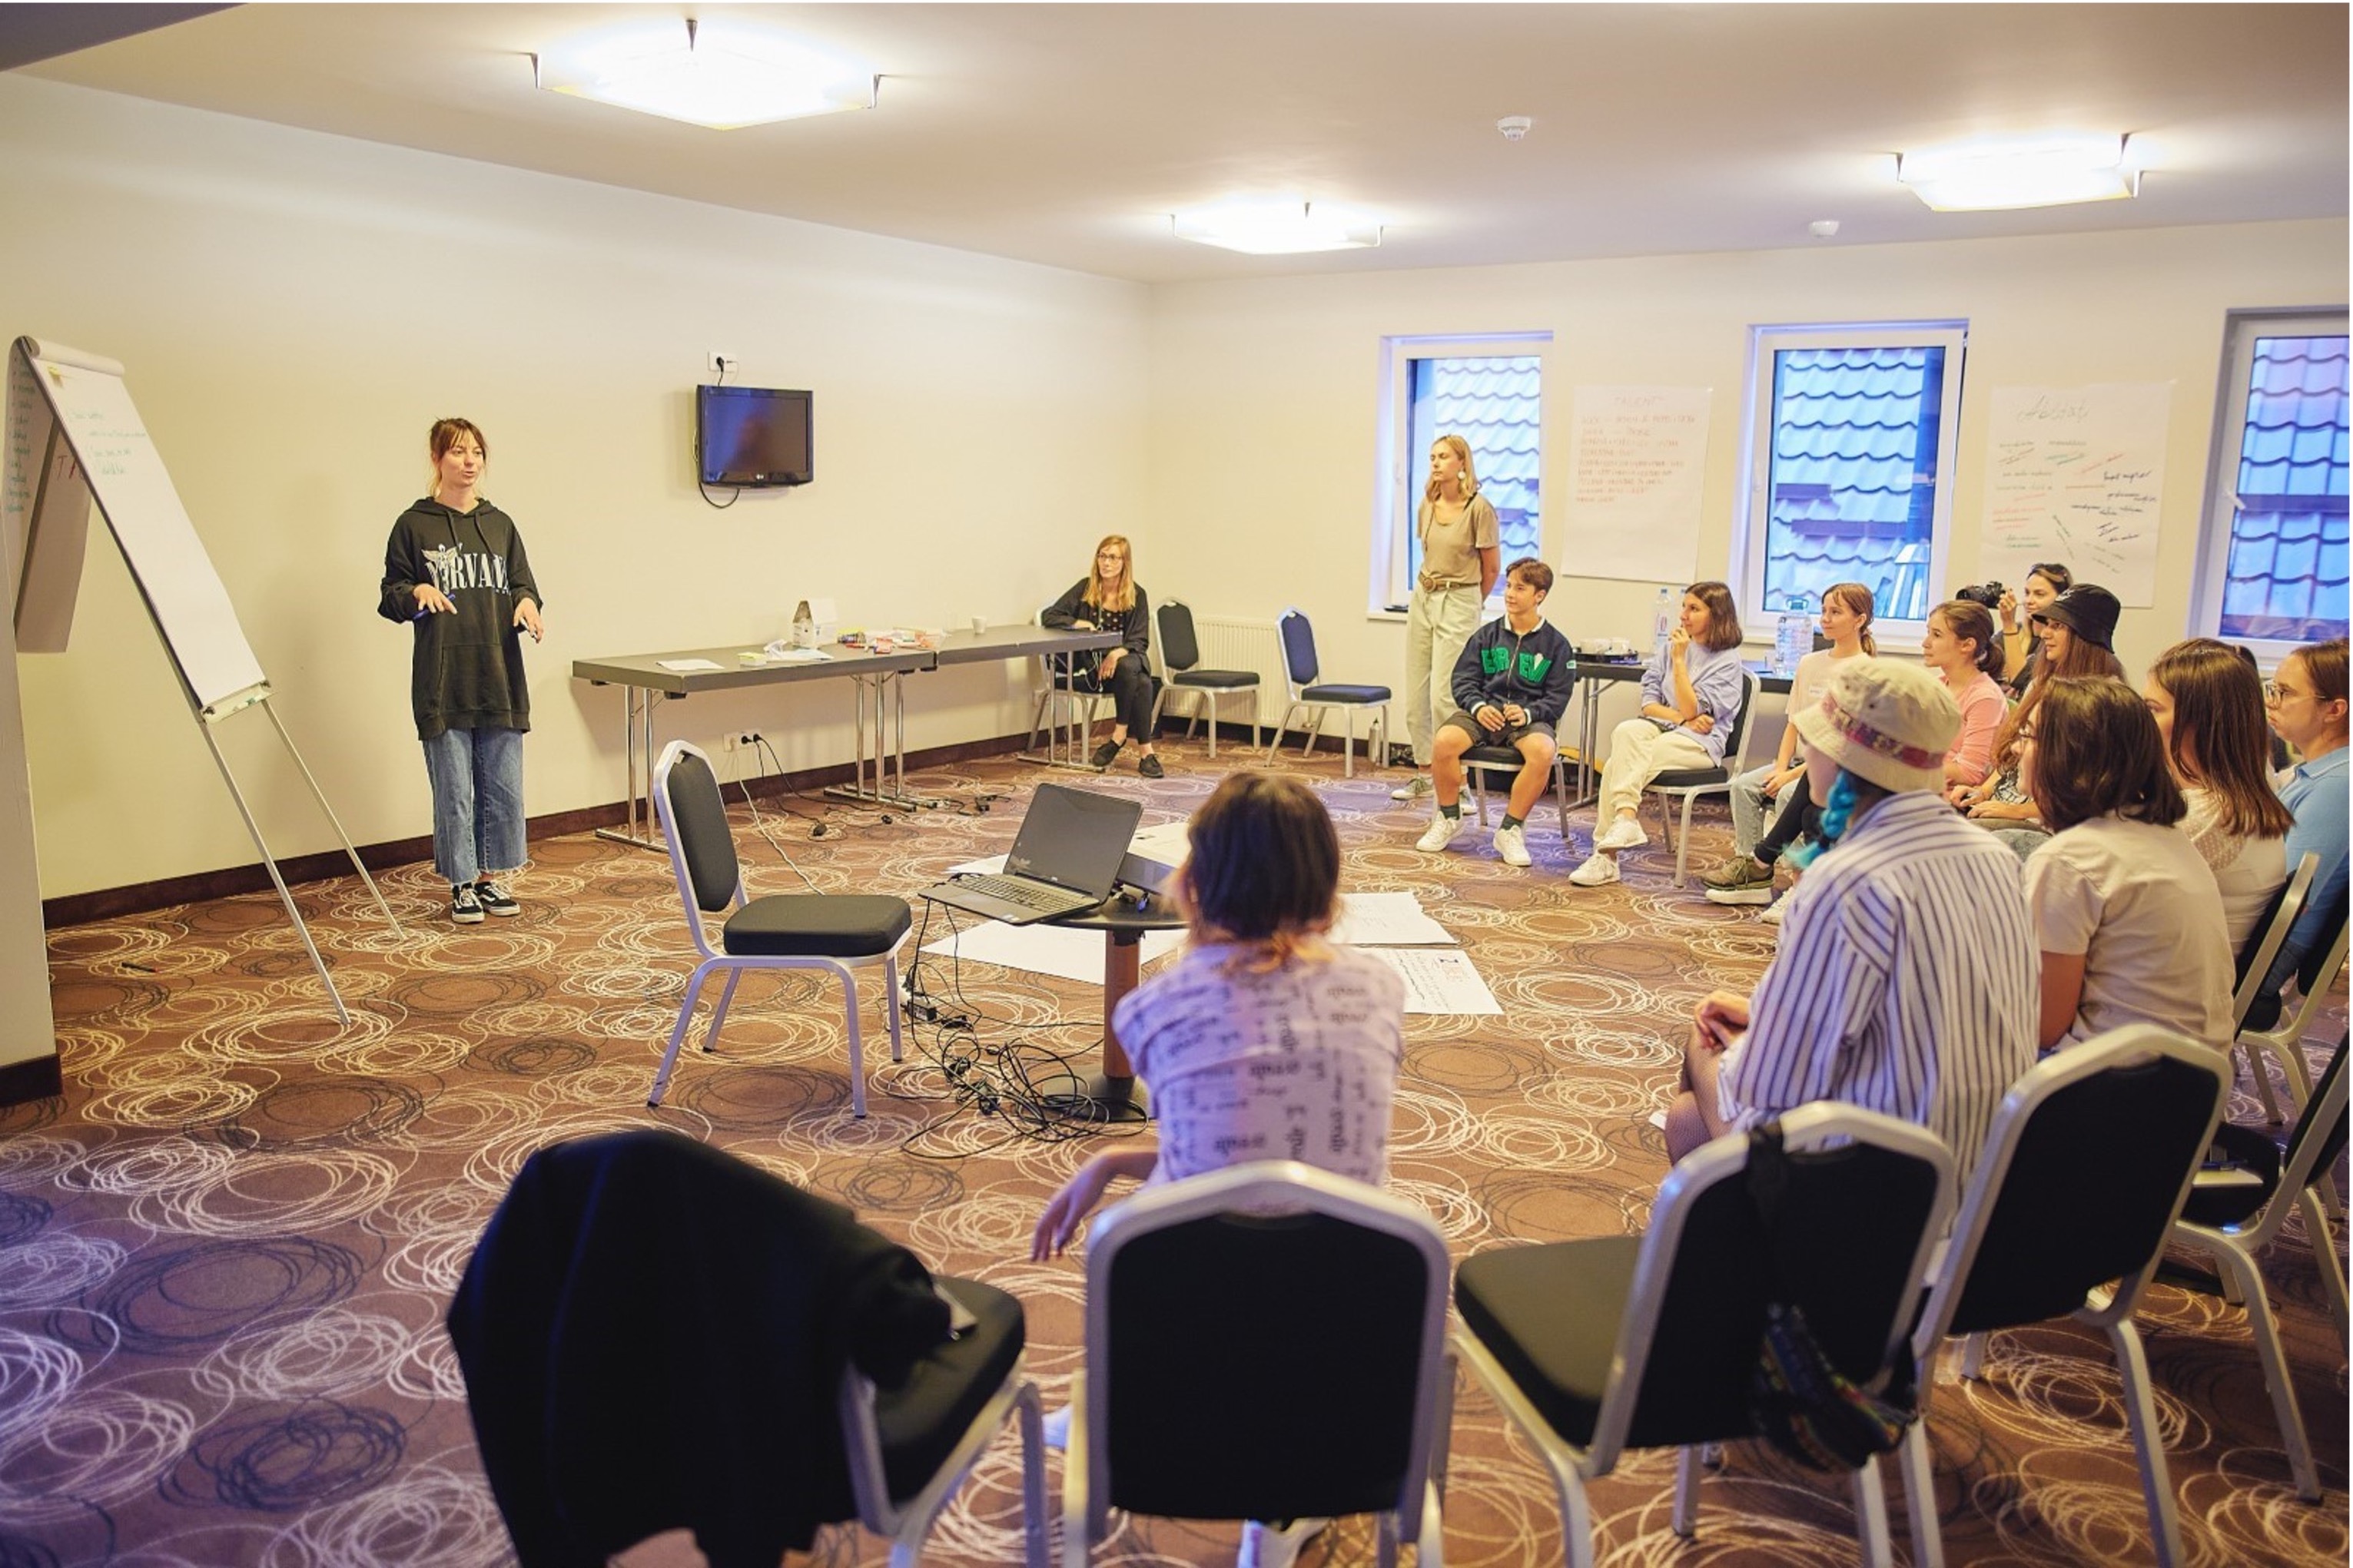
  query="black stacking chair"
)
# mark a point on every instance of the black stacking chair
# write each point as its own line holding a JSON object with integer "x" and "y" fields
{"x": 2086, "y": 1165}
{"x": 1180, "y": 660}
{"x": 1650, "y": 1342}
{"x": 655, "y": 1334}
{"x": 1688, "y": 784}
{"x": 2235, "y": 1210}
{"x": 1303, "y": 676}
{"x": 838, "y": 932}
{"x": 1480, "y": 761}
{"x": 1266, "y": 1341}
{"x": 2271, "y": 1025}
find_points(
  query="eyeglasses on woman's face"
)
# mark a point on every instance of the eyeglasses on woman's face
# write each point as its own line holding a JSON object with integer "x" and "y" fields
{"x": 2275, "y": 694}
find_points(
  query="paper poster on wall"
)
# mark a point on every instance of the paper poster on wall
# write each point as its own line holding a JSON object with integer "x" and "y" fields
{"x": 2076, "y": 475}
{"x": 1637, "y": 460}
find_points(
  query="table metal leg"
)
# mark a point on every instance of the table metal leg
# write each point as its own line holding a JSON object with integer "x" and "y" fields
{"x": 637, "y": 762}
{"x": 866, "y": 690}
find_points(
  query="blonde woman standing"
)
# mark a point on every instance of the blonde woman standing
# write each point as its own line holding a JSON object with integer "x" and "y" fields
{"x": 1462, "y": 555}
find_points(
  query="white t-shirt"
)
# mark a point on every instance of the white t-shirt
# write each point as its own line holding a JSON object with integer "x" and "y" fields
{"x": 2250, "y": 871}
{"x": 2141, "y": 907}
{"x": 1295, "y": 1063}
{"x": 1814, "y": 673}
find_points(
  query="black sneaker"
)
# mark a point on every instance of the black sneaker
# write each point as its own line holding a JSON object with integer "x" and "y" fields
{"x": 464, "y": 908}
{"x": 1106, "y": 752}
{"x": 495, "y": 899}
{"x": 1150, "y": 767}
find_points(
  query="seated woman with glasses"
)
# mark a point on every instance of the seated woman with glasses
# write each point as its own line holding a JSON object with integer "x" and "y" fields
{"x": 1107, "y": 599}
{"x": 2126, "y": 915}
{"x": 2306, "y": 703}
{"x": 2208, "y": 707}
{"x": 2077, "y": 629}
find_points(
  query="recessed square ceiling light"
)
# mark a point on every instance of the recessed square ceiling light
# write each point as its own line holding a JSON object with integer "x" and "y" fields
{"x": 2042, "y": 172}
{"x": 737, "y": 77}
{"x": 1278, "y": 228}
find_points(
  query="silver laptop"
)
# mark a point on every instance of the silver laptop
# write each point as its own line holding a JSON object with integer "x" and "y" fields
{"x": 1064, "y": 859}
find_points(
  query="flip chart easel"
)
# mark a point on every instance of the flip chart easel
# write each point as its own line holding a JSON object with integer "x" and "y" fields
{"x": 74, "y": 438}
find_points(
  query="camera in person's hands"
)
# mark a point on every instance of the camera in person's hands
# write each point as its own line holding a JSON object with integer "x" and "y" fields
{"x": 1987, "y": 594}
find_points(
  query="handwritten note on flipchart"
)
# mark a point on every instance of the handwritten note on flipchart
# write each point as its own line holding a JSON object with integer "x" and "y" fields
{"x": 1637, "y": 465}
{"x": 2076, "y": 475}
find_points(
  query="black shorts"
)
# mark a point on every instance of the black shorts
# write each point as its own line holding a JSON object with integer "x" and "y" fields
{"x": 1509, "y": 735}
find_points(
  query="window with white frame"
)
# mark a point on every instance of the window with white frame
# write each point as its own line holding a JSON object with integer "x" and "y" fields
{"x": 1489, "y": 392}
{"x": 2273, "y": 559}
{"x": 1851, "y": 436}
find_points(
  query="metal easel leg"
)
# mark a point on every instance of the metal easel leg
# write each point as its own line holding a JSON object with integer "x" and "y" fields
{"x": 390, "y": 919}
{"x": 254, "y": 829}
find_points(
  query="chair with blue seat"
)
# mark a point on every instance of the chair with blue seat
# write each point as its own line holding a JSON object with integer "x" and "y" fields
{"x": 1179, "y": 651}
{"x": 1303, "y": 676}
{"x": 1688, "y": 784}
{"x": 836, "y": 932}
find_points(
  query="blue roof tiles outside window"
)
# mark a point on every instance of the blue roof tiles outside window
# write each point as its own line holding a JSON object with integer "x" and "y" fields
{"x": 2285, "y": 575}
{"x": 1852, "y": 487}
{"x": 1497, "y": 403}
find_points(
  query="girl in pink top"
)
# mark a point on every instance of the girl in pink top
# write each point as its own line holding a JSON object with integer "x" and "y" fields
{"x": 1961, "y": 647}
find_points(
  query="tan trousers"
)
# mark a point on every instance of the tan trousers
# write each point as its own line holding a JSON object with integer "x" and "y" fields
{"x": 1438, "y": 623}
{"x": 1640, "y": 751}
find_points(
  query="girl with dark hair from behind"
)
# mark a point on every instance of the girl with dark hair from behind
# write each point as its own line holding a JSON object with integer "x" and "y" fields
{"x": 2126, "y": 914}
{"x": 1261, "y": 1029}
{"x": 2208, "y": 707}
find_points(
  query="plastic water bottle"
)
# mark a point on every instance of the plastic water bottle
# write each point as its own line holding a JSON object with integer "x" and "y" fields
{"x": 1662, "y": 624}
{"x": 1793, "y": 635}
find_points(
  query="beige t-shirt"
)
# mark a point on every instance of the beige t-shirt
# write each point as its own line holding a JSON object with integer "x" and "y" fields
{"x": 1451, "y": 541}
{"x": 2137, "y": 901}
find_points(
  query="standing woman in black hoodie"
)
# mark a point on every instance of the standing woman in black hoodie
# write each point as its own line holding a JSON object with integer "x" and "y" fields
{"x": 455, "y": 569}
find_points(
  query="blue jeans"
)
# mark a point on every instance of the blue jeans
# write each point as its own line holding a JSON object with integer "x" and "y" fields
{"x": 478, "y": 822}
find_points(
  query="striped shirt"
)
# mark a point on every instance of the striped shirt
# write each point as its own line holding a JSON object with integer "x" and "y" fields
{"x": 1906, "y": 981}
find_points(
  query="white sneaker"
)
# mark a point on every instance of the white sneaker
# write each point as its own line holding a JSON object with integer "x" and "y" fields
{"x": 1441, "y": 833}
{"x": 1772, "y": 916}
{"x": 1276, "y": 1545}
{"x": 1598, "y": 872}
{"x": 1512, "y": 846}
{"x": 1624, "y": 834}
{"x": 1418, "y": 787}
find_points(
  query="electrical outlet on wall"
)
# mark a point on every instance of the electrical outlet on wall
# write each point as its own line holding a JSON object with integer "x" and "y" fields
{"x": 719, "y": 362}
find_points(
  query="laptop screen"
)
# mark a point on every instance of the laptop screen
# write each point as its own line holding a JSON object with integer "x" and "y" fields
{"x": 1073, "y": 839}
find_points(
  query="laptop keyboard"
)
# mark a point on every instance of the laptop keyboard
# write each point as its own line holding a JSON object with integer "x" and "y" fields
{"x": 1029, "y": 895}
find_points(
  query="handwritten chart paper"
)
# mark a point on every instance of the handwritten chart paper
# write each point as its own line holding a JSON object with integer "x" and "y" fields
{"x": 1438, "y": 980}
{"x": 2077, "y": 475}
{"x": 1637, "y": 460}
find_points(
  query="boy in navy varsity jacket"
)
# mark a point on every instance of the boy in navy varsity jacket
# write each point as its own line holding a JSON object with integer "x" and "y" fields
{"x": 1512, "y": 686}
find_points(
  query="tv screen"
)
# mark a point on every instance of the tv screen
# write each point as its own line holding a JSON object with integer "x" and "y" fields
{"x": 751, "y": 436}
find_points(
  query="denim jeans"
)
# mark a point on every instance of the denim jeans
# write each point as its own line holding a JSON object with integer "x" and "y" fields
{"x": 478, "y": 825}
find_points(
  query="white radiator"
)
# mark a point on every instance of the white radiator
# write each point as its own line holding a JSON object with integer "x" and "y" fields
{"x": 1228, "y": 642}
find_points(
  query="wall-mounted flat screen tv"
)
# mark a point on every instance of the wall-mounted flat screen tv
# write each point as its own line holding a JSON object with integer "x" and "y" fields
{"x": 751, "y": 436}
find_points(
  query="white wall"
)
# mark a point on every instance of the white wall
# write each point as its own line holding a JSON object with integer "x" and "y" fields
{"x": 294, "y": 309}
{"x": 1266, "y": 401}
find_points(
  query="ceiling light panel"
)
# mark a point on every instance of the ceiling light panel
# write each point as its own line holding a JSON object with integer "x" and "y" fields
{"x": 722, "y": 77}
{"x": 2039, "y": 173}
{"x": 1278, "y": 228}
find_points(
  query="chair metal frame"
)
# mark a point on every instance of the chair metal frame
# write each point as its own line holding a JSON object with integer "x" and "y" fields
{"x": 1260, "y": 1186}
{"x": 2284, "y": 1039}
{"x": 736, "y": 963}
{"x": 2255, "y": 965}
{"x": 906, "y": 1522}
{"x": 1726, "y": 1159}
{"x": 1071, "y": 730}
{"x": 1743, "y": 727}
{"x": 2233, "y": 1248}
{"x": 2108, "y": 1307}
{"x": 1295, "y": 685}
{"x": 1475, "y": 768}
{"x": 1172, "y": 678}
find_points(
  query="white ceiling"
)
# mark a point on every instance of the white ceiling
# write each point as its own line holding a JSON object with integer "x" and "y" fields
{"x": 1066, "y": 134}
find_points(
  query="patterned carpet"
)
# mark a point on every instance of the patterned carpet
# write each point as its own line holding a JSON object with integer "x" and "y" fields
{"x": 224, "y": 1255}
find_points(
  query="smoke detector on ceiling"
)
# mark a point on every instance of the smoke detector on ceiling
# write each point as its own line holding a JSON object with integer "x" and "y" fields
{"x": 1824, "y": 228}
{"x": 1515, "y": 126}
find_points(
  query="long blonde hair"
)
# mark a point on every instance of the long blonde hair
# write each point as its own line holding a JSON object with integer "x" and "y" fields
{"x": 1462, "y": 449}
{"x": 1124, "y": 596}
